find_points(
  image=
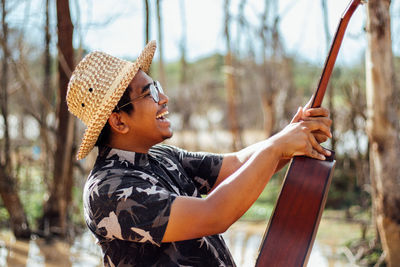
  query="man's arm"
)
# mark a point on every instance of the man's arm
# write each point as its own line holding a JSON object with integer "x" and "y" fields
{"x": 196, "y": 217}
{"x": 233, "y": 161}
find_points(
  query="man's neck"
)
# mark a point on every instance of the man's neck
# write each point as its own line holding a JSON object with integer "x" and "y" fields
{"x": 129, "y": 146}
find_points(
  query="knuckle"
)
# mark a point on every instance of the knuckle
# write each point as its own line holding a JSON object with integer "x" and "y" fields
{"x": 306, "y": 146}
{"x": 322, "y": 139}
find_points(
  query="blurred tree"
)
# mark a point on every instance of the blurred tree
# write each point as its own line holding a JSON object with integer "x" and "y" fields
{"x": 242, "y": 24}
{"x": 184, "y": 95}
{"x": 268, "y": 95}
{"x": 183, "y": 44}
{"x": 161, "y": 70}
{"x": 330, "y": 89}
{"x": 275, "y": 68}
{"x": 383, "y": 128}
{"x": 8, "y": 188}
{"x": 231, "y": 83}
{"x": 47, "y": 95}
{"x": 55, "y": 214}
{"x": 147, "y": 21}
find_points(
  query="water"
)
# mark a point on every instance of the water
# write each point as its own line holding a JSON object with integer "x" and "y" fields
{"x": 244, "y": 241}
{"x": 242, "y": 238}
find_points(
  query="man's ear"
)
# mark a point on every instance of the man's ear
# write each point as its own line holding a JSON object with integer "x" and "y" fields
{"x": 117, "y": 123}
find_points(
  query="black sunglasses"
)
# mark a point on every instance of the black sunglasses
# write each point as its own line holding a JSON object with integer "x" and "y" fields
{"x": 154, "y": 90}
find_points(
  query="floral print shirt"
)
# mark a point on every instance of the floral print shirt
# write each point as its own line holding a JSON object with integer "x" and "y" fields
{"x": 127, "y": 202}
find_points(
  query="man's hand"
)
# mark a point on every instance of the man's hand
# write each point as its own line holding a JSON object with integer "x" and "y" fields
{"x": 300, "y": 136}
{"x": 315, "y": 114}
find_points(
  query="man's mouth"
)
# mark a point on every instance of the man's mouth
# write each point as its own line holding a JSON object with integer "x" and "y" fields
{"x": 161, "y": 115}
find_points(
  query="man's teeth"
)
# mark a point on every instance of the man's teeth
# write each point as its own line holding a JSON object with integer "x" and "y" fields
{"x": 162, "y": 114}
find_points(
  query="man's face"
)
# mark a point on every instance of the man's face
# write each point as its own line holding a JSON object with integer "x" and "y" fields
{"x": 148, "y": 123}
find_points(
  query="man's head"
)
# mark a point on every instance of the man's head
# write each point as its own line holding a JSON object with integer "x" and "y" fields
{"x": 97, "y": 85}
{"x": 138, "y": 121}
{"x": 105, "y": 134}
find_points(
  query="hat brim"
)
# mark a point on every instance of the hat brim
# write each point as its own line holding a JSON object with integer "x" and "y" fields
{"x": 100, "y": 118}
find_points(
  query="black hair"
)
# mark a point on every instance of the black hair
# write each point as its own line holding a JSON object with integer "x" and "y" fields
{"x": 104, "y": 136}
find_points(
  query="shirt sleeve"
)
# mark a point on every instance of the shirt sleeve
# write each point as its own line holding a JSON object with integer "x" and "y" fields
{"x": 130, "y": 207}
{"x": 202, "y": 167}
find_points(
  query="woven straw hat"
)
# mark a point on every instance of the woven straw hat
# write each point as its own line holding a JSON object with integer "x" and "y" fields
{"x": 96, "y": 85}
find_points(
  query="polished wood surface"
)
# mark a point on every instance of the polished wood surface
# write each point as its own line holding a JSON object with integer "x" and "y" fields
{"x": 333, "y": 53}
{"x": 293, "y": 225}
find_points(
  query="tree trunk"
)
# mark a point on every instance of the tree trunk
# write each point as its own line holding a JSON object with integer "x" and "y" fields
{"x": 47, "y": 97}
{"x": 54, "y": 219}
{"x": 383, "y": 129}
{"x": 8, "y": 190}
{"x": 6, "y": 157}
{"x": 18, "y": 220}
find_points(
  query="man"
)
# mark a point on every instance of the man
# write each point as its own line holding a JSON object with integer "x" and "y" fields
{"x": 143, "y": 200}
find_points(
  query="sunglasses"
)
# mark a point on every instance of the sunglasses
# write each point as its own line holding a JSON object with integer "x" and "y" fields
{"x": 154, "y": 90}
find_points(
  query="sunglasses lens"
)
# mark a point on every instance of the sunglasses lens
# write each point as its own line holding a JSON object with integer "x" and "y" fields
{"x": 155, "y": 90}
{"x": 154, "y": 93}
{"x": 158, "y": 85}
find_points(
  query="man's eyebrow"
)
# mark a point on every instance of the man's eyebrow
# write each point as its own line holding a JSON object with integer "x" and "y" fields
{"x": 146, "y": 87}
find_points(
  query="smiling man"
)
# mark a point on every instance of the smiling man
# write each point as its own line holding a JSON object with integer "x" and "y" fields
{"x": 143, "y": 199}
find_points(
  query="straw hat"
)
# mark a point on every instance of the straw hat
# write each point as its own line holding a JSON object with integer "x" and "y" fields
{"x": 96, "y": 85}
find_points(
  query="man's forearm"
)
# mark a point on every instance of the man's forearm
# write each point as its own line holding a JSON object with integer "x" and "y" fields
{"x": 242, "y": 188}
{"x": 244, "y": 154}
{"x": 233, "y": 161}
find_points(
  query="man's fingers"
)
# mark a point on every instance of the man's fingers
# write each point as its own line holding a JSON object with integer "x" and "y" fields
{"x": 317, "y": 112}
{"x": 298, "y": 115}
{"x": 316, "y": 146}
{"x": 316, "y": 155}
{"x": 324, "y": 120}
{"x": 308, "y": 105}
{"x": 318, "y": 151}
{"x": 320, "y": 137}
{"x": 315, "y": 126}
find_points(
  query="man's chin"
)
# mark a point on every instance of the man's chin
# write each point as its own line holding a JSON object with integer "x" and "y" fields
{"x": 169, "y": 135}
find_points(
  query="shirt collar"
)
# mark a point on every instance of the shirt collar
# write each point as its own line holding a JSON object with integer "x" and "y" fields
{"x": 135, "y": 158}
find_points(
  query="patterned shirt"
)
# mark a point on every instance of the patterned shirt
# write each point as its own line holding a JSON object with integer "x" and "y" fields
{"x": 127, "y": 203}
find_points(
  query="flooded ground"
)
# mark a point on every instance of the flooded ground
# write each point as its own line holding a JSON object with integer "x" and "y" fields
{"x": 243, "y": 239}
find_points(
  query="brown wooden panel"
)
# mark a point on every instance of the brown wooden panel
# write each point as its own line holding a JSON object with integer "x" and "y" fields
{"x": 293, "y": 226}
